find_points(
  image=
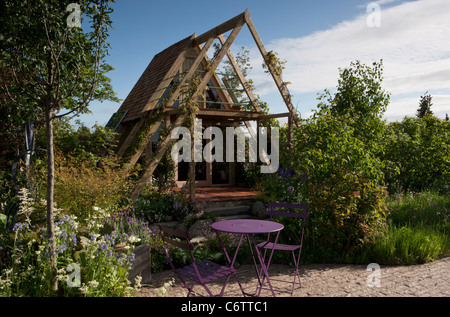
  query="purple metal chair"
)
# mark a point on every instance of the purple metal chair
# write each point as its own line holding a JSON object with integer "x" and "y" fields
{"x": 201, "y": 272}
{"x": 293, "y": 248}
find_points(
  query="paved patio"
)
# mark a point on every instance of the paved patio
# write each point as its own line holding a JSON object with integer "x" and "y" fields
{"x": 331, "y": 280}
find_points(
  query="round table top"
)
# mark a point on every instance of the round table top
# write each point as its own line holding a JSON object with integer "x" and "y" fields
{"x": 249, "y": 226}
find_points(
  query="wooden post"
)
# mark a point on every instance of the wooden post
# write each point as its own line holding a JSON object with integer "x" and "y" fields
{"x": 191, "y": 173}
{"x": 278, "y": 81}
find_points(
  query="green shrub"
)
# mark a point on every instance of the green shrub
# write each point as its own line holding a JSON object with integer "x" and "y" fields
{"x": 346, "y": 212}
{"x": 159, "y": 204}
{"x": 284, "y": 186}
{"x": 420, "y": 147}
{"x": 80, "y": 187}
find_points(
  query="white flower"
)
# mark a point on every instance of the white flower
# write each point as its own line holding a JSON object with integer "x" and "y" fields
{"x": 133, "y": 239}
{"x": 84, "y": 289}
{"x": 93, "y": 284}
{"x": 138, "y": 280}
{"x": 163, "y": 291}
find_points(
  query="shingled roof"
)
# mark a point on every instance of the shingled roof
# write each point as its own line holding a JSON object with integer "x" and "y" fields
{"x": 151, "y": 78}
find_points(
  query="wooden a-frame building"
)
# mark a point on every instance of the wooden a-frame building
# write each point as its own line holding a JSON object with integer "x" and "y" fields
{"x": 155, "y": 100}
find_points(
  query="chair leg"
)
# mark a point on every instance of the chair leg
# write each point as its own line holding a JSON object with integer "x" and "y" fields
{"x": 190, "y": 288}
{"x": 296, "y": 274}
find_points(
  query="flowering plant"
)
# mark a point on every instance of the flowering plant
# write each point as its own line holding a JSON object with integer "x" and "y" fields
{"x": 162, "y": 204}
{"x": 92, "y": 261}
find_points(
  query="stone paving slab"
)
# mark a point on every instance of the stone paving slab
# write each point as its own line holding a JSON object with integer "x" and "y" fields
{"x": 331, "y": 280}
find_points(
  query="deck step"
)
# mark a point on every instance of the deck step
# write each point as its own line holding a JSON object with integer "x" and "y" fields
{"x": 242, "y": 216}
{"x": 229, "y": 210}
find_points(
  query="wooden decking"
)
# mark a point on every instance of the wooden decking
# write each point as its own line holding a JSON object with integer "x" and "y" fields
{"x": 224, "y": 193}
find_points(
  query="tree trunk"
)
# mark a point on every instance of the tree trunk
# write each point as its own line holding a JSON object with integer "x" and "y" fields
{"x": 50, "y": 191}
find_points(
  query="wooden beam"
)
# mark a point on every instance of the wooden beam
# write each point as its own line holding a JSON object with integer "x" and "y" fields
{"x": 150, "y": 168}
{"x": 274, "y": 116}
{"x": 220, "y": 55}
{"x": 169, "y": 103}
{"x": 190, "y": 72}
{"x": 152, "y": 102}
{"x": 133, "y": 160}
{"x": 247, "y": 123}
{"x": 278, "y": 81}
{"x": 223, "y": 28}
{"x": 240, "y": 75}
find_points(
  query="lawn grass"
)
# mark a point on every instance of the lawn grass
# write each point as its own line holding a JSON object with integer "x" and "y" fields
{"x": 418, "y": 232}
{"x": 418, "y": 229}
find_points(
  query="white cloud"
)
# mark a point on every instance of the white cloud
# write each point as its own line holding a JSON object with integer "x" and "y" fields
{"x": 413, "y": 41}
{"x": 398, "y": 109}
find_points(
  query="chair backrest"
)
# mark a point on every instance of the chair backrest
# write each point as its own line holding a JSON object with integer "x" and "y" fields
{"x": 273, "y": 212}
{"x": 167, "y": 233}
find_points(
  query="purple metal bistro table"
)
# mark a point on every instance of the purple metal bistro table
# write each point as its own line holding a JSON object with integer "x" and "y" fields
{"x": 248, "y": 228}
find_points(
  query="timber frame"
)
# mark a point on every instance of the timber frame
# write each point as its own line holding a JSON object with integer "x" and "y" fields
{"x": 139, "y": 123}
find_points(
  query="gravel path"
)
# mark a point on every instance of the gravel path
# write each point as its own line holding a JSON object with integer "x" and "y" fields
{"x": 331, "y": 280}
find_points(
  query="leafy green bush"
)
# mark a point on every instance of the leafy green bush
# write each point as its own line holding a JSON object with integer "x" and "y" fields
{"x": 346, "y": 212}
{"x": 159, "y": 204}
{"x": 284, "y": 186}
{"x": 327, "y": 142}
{"x": 420, "y": 147}
{"x": 79, "y": 186}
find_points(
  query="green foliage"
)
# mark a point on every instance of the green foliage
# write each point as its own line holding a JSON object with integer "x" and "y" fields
{"x": 425, "y": 106}
{"x": 65, "y": 67}
{"x": 410, "y": 246}
{"x": 420, "y": 209}
{"x": 181, "y": 257}
{"x": 418, "y": 229}
{"x": 103, "y": 259}
{"x": 360, "y": 96}
{"x": 79, "y": 187}
{"x": 359, "y": 92}
{"x": 346, "y": 211}
{"x": 335, "y": 164}
{"x": 326, "y": 143}
{"x": 160, "y": 204}
{"x": 274, "y": 63}
{"x": 84, "y": 143}
{"x": 61, "y": 68}
{"x": 420, "y": 148}
{"x": 284, "y": 186}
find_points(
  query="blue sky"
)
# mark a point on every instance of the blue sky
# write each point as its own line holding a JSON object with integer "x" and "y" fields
{"x": 315, "y": 37}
